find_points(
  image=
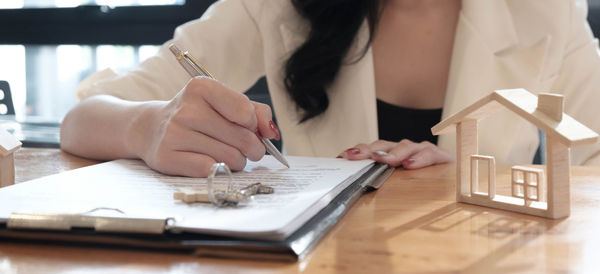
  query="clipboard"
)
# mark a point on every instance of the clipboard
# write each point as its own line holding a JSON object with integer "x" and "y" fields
{"x": 154, "y": 234}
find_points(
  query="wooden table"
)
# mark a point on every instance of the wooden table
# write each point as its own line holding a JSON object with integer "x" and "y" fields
{"x": 411, "y": 225}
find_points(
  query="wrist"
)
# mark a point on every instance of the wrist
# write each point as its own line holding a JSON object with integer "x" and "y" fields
{"x": 142, "y": 127}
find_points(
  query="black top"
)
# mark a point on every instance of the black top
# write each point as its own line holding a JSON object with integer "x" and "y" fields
{"x": 397, "y": 123}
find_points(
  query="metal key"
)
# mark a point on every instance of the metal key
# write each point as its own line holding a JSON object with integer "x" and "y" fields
{"x": 200, "y": 195}
{"x": 220, "y": 198}
{"x": 256, "y": 188}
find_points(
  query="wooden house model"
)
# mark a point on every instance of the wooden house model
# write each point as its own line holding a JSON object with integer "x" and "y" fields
{"x": 530, "y": 192}
{"x": 8, "y": 145}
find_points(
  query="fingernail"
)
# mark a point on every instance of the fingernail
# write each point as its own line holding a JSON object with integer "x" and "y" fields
{"x": 380, "y": 153}
{"x": 353, "y": 150}
{"x": 274, "y": 129}
{"x": 339, "y": 156}
{"x": 408, "y": 161}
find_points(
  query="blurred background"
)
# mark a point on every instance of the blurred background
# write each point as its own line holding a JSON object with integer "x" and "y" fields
{"x": 48, "y": 46}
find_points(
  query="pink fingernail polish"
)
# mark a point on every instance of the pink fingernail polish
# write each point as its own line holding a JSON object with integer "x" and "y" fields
{"x": 353, "y": 150}
{"x": 275, "y": 129}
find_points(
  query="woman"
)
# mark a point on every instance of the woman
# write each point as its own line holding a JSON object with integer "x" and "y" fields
{"x": 328, "y": 63}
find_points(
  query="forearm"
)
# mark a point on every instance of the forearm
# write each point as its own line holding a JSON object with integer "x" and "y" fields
{"x": 206, "y": 122}
{"x": 104, "y": 127}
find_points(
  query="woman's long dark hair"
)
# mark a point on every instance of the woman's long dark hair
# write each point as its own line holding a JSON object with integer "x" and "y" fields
{"x": 314, "y": 65}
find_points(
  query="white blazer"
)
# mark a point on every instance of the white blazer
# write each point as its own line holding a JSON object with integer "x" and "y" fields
{"x": 538, "y": 45}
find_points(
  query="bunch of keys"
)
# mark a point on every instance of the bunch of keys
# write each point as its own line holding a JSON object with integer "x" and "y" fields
{"x": 220, "y": 198}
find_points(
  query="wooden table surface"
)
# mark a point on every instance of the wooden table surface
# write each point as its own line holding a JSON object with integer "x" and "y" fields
{"x": 410, "y": 225}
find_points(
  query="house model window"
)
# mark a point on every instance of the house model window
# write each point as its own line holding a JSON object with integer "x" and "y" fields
{"x": 533, "y": 191}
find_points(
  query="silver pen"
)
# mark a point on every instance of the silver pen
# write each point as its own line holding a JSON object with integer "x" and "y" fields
{"x": 193, "y": 67}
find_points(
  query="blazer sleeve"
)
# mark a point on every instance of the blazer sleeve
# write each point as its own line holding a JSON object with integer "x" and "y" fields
{"x": 226, "y": 40}
{"x": 579, "y": 81}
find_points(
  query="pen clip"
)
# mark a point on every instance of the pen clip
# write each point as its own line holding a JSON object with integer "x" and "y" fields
{"x": 189, "y": 63}
{"x": 196, "y": 65}
{"x": 193, "y": 67}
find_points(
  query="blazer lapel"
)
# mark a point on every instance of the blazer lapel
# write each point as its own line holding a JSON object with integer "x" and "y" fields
{"x": 491, "y": 22}
{"x": 489, "y": 54}
{"x": 351, "y": 117}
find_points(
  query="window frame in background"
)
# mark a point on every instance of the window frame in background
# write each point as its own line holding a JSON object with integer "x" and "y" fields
{"x": 95, "y": 25}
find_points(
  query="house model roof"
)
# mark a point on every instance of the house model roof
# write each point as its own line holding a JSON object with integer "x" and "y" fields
{"x": 8, "y": 143}
{"x": 525, "y": 104}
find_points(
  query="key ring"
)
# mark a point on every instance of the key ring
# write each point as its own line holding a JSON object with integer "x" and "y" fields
{"x": 211, "y": 193}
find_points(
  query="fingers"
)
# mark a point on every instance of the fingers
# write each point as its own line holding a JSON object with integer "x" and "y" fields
{"x": 363, "y": 151}
{"x": 207, "y": 122}
{"x": 403, "y": 150}
{"x": 405, "y": 153}
{"x": 236, "y": 107}
{"x": 232, "y": 105}
{"x": 182, "y": 139}
{"x": 427, "y": 157}
{"x": 382, "y": 145}
{"x": 358, "y": 152}
{"x": 264, "y": 117}
{"x": 183, "y": 163}
{"x": 223, "y": 114}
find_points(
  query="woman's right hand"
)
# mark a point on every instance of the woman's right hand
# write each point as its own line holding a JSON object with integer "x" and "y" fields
{"x": 206, "y": 122}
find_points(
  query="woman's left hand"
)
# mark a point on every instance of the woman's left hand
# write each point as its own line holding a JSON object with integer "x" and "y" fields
{"x": 405, "y": 153}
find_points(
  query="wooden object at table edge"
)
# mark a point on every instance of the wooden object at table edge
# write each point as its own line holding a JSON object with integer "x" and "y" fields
{"x": 8, "y": 145}
{"x": 545, "y": 111}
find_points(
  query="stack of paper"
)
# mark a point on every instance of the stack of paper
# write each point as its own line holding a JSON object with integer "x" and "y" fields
{"x": 131, "y": 189}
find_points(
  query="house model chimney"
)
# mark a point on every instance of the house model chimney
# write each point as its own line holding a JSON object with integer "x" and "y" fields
{"x": 551, "y": 104}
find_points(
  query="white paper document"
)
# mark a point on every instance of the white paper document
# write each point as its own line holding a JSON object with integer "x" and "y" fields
{"x": 132, "y": 188}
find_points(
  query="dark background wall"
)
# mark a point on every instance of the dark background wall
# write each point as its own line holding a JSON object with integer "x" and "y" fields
{"x": 121, "y": 25}
{"x": 594, "y": 16}
{"x": 94, "y": 25}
